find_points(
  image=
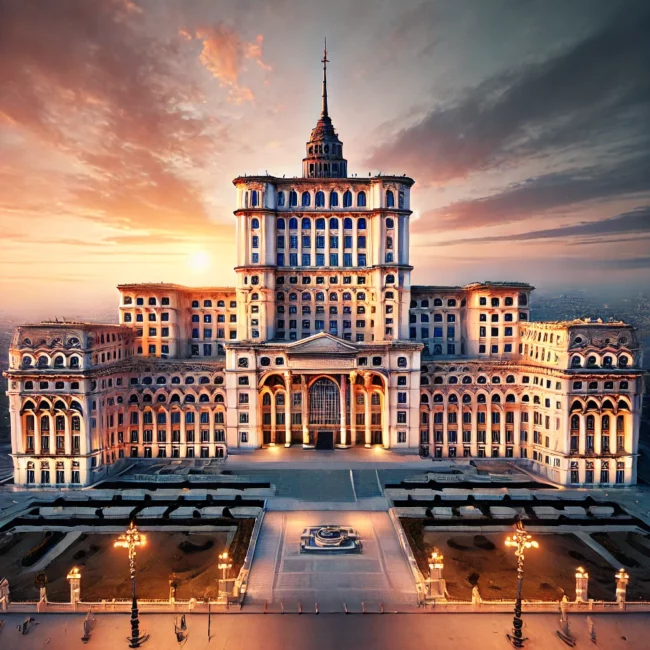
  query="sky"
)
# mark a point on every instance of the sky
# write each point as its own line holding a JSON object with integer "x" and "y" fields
{"x": 525, "y": 124}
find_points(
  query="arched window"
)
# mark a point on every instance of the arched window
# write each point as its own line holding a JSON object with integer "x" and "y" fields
{"x": 280, "y": 224}
{"x": 467, "y": 398}
{"x": 255, "y": 223}
{"x": 320, "y": 296}
{"x": 510, "y": 379}
{"x": 347, "y": 295}
{"x": 161, "y": 380}
{"x": 575, "y": 422}
{"x": 437, "y": 398}
{"x": 453, "y": 399}
{"x": 496, "y": 399}
{"x": 361, "y": 200}
{"x": 306, "y": 295}
{"x": 467, "y": 379}
{"x": 320, "y": 224}
{"x": 334, "y": 199}
{"x": 347, "y": 199}
{"x": 622, "y": 362}
{"x": 254, "y": 198}
{"x": 280, "y": 199}
{"x": 347, "y": 223}
{"x": 43, "y": 362}
{"x": 293, "y": 223}
{"x": 306, "y": 200}
{"x": 58, "y": 361}
{"x": 480, "y": 399}
{"x": 334, "y": 297}
{"x": 453, "y": 380}
{"x": 510, "y": 398}
{"x": 306, "y": 223}
{"x": 334, "y": 224}
{"x": 320, "y": 199}
{"x": 591, "y": 361}
{"x": 390, "y": 199}
{"x": 293, "y": 198}
{"x": 575, "y": 362}
{"x": 361, "y": 224}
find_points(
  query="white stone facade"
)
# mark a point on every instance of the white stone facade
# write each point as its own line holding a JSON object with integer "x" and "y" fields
{"x": 324, "y": 342}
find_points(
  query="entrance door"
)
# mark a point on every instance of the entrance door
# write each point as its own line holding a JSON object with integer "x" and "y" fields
{"x": 325, "y": 440}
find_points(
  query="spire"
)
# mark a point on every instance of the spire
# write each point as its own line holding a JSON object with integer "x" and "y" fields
{"x": 324, "y": 149}
{"x": 324, "y": 61}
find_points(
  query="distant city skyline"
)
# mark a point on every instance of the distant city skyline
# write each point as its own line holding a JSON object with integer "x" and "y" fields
{"x": 523, "y": 124}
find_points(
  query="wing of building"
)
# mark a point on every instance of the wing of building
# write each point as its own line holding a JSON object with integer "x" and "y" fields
{"x": 324, "y": 343}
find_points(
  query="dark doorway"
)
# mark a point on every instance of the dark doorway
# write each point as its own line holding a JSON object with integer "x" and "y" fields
{"x": 325, "y": 440}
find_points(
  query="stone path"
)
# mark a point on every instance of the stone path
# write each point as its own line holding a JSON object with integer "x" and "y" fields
{"x": 281, "y": 574}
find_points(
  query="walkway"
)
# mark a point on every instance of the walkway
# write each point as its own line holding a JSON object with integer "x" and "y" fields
{"x": 280, "y": 573}
{"x": 389, "y": 632}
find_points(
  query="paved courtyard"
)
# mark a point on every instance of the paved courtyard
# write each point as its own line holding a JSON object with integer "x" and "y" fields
{"x": 380, "y": 574}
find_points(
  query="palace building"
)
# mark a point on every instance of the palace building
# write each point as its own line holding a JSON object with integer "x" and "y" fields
{"x": 324, "y": 343}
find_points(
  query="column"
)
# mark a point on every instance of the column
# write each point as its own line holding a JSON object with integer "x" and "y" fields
{"x": 287, "y": 410}
{"x": 68, "y": 435}
{"x": 353, "y": 409}
{"x": 516, "y": 451}
{"x": 598, "y": 430}
{"x": 385, "y": 420}
{"x": 445, "y": 428}
{"x": 305, "y": 410}
{"x": 183, "y": 444}
{"x": 366, "y": 397}
{"x": 212, "y": 447}
{"x": 502, "y": 433}
{"x": 582, "y": 442}
{"x": 273, "y": 423}
{"x": 344, "y": 441}
{"x": 474, "y": 444}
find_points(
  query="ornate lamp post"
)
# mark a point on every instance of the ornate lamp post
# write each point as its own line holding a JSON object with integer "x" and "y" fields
{"x": 224, "y": 563}
{"x": 131, "y": 539}
{"x": 521, "y": 540}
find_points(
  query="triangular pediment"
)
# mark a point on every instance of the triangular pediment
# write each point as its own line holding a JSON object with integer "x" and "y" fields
{"x": 322, "y": 343}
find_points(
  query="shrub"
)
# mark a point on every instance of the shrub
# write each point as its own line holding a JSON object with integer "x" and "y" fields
{"x": 51, "y": 539}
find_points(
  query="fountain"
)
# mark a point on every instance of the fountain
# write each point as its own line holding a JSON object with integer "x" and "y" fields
{"x": 330, "y": 539}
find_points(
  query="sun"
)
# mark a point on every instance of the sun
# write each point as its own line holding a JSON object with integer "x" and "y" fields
{"x": 198, "y": 261}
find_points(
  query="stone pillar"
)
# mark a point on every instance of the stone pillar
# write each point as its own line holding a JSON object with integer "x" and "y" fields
{"x": 502, "y": 433}
{"x": 582, "y": 585}
{"x": 445, "y": 427}
{"x": 582, "y": 442}
{"x": 305, "y": 410}
{"x": 4, "y": 594}
{"x": 516, "y": 432}
{"x": 273, "y": 416}
{"x": 598, "y": 430}
{"x": 74, "y": 578}
{"x": 353, "y": 408}
{"x": 474, "y": 443}
{"x": 68, "y": 434}
{"x": 287, "y": 410}
{"x": 366, "y": 393}
{"x": 622, "y": 578}
{"x": 344, "y": 441}
{"x": 385, "y": 418}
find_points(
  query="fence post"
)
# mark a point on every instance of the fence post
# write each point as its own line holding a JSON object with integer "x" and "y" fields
{"x": 582, "y": 585}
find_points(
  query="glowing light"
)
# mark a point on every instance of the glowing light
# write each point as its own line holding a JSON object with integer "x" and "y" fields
{"x": 199, "y": 261}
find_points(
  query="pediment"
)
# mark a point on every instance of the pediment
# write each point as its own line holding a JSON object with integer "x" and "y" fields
{"x": 322, "y": 344}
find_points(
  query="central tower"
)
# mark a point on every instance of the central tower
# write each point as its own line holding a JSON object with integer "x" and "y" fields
{"x": 324, "y": 149}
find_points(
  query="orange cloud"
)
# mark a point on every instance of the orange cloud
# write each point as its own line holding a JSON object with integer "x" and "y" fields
{"x": 223, "y": 55}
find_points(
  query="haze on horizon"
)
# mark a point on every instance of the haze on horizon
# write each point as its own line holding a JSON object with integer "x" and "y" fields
{"x": 123, "y": 123}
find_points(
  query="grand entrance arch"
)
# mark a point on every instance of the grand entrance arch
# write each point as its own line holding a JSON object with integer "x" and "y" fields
{"x": 324, "y": 411}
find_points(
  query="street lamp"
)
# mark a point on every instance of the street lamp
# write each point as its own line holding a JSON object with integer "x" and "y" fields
{"x": 435, "y": 562}
{"x": 521, "y": 540}
{"x": 224, "y": 563}
{"x": 131, "y": 539}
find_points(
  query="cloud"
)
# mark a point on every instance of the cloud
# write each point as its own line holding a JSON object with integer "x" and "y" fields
{"x": 597, "y": 91}
{"x": 547, "y": 192}
{"x": 636, "y": 222}
{"x": 83, "y": 82}
{"x": 224, "y": 54}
